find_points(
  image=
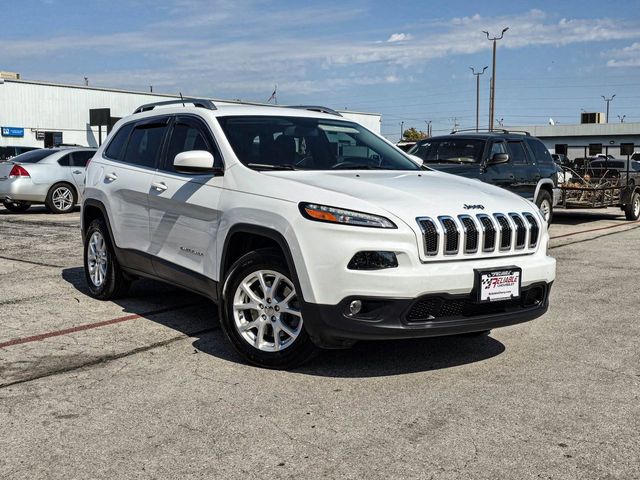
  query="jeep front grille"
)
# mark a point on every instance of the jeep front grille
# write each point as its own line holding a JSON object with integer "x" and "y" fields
{"x": 469, "y": 235}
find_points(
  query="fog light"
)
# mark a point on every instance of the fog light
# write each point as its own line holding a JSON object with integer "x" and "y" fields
{"x": 355, "y": 307}
{"x": 373, "y": 261}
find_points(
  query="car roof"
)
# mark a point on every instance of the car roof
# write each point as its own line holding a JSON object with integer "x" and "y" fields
{"x": 478, "y": 136}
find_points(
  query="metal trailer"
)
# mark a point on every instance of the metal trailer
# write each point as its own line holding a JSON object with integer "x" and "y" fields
{"x": 620, "y": 189}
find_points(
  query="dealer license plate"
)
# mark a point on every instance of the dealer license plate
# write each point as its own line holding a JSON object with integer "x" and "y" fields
{"x": 497, "y": 285}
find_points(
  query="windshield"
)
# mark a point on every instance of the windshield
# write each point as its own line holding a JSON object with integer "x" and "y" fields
{"x": 451, "y": 150}
{"x": 298, "y": 143}
{"x": 34, "y": 156}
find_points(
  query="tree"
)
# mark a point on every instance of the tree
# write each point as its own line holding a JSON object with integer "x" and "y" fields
{"x": 413, "y": 135}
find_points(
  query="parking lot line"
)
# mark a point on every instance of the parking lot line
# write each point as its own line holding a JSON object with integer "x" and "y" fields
{"x": 88, "y": 326}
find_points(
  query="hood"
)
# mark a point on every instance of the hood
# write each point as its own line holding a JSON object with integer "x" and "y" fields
{"x": 406, "y": 195}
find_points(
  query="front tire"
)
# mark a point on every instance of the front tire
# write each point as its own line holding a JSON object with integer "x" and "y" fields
{"x": 545, "y": 204}
{"x": 104, "y": 276}
{"x": 16, "y": 206}
{"x": 61, "y": 198}
{"x": 632, "y": 210}
{"x": 260, "y": 312}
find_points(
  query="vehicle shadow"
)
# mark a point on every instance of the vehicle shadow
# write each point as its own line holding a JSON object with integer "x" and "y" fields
{"x": 197, "y": 318}
{"x": 35, "y": 210}
{"x": 578, "y": 217}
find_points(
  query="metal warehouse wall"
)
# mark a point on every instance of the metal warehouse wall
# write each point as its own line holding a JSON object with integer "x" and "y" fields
{"x": 38, "y": 106}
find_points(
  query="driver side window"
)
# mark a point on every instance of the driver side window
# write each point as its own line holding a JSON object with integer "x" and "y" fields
{"x": 497, "y": 147}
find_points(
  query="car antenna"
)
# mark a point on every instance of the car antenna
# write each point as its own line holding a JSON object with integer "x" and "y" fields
{"x": 182, "y": 98}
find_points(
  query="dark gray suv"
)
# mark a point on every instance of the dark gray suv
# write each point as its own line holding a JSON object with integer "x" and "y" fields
{"x": 517, "y": 162}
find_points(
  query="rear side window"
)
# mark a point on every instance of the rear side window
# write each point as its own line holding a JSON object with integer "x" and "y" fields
{"x": 517, "y": 154}
{"x": 540, "y": 152}
{"x": 118, "y": 142}
{"x": 80, "y": 159}
{"x": 65, "y": 161}
{"x": 144, "y": 144}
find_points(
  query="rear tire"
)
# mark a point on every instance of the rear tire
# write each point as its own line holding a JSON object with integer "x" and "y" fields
{"x": 270, "y": 331}
{"x": 545, "y": 204}
{"x": 61, "y": 198}
{"x": 104, "y": 276}
{"x": 16, "y": 206}
{"x": 632, "y": 210}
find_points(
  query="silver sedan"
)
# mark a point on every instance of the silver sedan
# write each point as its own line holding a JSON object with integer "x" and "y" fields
{"x": 53, "y": 176}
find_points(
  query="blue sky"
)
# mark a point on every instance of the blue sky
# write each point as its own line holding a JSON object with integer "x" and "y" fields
{"x": 407, "y": 60}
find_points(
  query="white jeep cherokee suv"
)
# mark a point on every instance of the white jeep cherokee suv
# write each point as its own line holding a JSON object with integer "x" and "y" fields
{"x": 307, "y": 229}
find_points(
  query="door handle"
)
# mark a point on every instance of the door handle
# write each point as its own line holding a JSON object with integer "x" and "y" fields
{"x": 77, "y": 172}
{"x": 112, "y": 177}
{"x": 159, "y": 186}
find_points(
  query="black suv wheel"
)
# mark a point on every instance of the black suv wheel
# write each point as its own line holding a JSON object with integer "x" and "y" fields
{"x": 545, "y": 204}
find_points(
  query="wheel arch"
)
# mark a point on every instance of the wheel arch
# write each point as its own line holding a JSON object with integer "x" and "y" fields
{"x": 547, "y": 185}
{"x": 243, "y": 238}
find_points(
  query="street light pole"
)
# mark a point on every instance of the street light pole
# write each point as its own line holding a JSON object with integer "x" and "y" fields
{"x": 428, "y": 122}
{"x": 608, "y": 100}
{"x": 493, "y": 76}
{"x": 477, "y": 75}
{"x": 401, "y": 130}
{"x": 622, "y": 118}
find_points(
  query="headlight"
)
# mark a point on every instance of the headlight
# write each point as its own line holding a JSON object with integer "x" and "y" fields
{"x": 323, "y": 213}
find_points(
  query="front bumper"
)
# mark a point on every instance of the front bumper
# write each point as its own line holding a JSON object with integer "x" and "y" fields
{"x": 332, "y": 326}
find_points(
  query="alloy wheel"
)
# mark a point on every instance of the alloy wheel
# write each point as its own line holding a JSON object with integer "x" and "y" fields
{"x": 266, "y": 311}
{"x": 62, "y": 198}
{"x": 97, "y": 259}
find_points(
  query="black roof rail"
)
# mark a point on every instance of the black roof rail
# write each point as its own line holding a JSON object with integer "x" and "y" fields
{"x": 196, "y": 102}
{"x": 499, "y": 130}
{"x": 316, "y": 108}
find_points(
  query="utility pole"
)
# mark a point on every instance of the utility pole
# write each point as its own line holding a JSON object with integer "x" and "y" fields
{"x": 401, "y": 130}
{"x": 608, "y": 100}
{"x": 492, "y": 100}
{"x": 455, "y": 123}
{"x": 477, "y": 75}
{"x": 428, "y": 122}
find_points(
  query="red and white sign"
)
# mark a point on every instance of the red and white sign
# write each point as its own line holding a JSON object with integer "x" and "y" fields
{"x": 499, "y": 285}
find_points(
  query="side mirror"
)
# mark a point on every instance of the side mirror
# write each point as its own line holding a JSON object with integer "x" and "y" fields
{"x": 194, "y": 161}
{"x": 498, "y": 158}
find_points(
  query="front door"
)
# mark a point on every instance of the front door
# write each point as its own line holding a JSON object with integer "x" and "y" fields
{"x": 184, "y": 208}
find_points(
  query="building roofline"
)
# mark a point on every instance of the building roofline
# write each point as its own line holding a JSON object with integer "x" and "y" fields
{"x": 156, "y": 94}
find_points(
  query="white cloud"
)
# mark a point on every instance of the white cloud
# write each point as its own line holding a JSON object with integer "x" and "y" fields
{"x": 624, "y": 57}
{"x": 399, "y": 37}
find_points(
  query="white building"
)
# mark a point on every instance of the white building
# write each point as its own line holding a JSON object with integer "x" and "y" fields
{"x": 32, "y": 111}
{"x": 585, "y": 139}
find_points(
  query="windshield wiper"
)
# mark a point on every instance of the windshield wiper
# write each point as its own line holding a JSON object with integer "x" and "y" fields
{"x": 265, "y": 166}
{"x": 357, "y": 166}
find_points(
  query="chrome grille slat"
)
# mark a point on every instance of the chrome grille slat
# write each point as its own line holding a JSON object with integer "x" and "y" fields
{"x": 470, "y": 234}
{"x": 534, "y": 229}
{"x": 520, "y": 230}
{"x": 488, "y": 233}
{"x": 430, "y": 235}
{"x": 504, "y": 227}
{"x": 451, "y": 235}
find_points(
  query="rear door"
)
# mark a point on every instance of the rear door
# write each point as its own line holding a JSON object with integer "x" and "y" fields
{"x": 184, "y": 207}
{"x": 130, "y": 161}
{"x": 79, "y": 159}
{"x": 525, "y": 174}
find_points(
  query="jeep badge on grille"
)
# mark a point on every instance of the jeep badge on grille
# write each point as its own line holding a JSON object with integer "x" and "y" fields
{"x": 473, "y": 207}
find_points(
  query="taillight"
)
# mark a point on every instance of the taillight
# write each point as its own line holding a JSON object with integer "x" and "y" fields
{"x": 18, "y": 171}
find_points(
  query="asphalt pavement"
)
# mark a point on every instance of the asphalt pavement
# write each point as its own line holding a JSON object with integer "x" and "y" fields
{"x": 147, "y": 387}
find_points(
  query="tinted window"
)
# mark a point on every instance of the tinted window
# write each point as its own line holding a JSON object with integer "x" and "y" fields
{"x": 115, "y": 149}
{"x": 310, "y": 143}
{"x": 34, "y": 156}
{"x": 6, "y": 153}
{"x": 540, "y": 152}
{"x": 451, "y": 150}
{"x": 188, "y": 135}
{"x": 498, "y": 147}
{"x": 516, "y": 153}
{"x": 80, "y": 159}
{"x": 65, "y": 161}
{"x": 144, "y": 144}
